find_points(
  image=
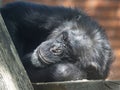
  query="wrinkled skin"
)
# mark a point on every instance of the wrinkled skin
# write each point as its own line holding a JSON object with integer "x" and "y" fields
{"x": 57, "y": 43}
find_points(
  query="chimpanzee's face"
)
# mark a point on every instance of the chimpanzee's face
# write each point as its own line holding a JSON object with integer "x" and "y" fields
{"x": 61, "y": 45}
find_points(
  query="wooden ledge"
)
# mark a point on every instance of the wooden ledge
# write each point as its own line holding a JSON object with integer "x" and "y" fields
{"x": 79, "y": 85}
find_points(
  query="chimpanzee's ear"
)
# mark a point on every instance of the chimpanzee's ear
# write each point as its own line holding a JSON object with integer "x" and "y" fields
{"x": 77, "y": 17}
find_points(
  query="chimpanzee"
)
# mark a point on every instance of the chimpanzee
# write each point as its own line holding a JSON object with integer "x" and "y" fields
{"x": 57, "y": 43}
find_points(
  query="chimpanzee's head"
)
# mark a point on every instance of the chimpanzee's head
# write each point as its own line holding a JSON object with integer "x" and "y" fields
{"x": 71, "y": 43}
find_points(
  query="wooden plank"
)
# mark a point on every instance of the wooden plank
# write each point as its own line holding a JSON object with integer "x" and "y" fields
{"x": 79, "y": 85}
{"x": 12, "y": 73}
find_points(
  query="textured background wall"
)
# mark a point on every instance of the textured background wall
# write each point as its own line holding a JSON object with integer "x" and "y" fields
{"x": 106, "y": 12}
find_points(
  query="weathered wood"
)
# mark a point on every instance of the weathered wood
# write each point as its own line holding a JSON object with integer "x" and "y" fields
{"x": 12, "y": 73}
{"x": 79, "y": 85}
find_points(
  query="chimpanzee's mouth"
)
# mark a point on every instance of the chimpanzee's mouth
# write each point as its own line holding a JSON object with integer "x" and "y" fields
{"x": 42, "y": 57}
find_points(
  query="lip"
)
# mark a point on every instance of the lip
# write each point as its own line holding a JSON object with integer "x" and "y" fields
{"x": 42, "y": 58}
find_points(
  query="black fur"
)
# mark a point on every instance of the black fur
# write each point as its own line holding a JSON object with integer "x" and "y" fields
{"x": 57, "y": 43}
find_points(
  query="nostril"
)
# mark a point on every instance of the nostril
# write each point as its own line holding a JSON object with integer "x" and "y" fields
{"x": 53, "y": 50}
{"x": 56, "y": 51}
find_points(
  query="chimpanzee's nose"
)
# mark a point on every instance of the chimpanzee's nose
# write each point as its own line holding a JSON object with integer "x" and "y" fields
{"x": 56, "y": 49}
